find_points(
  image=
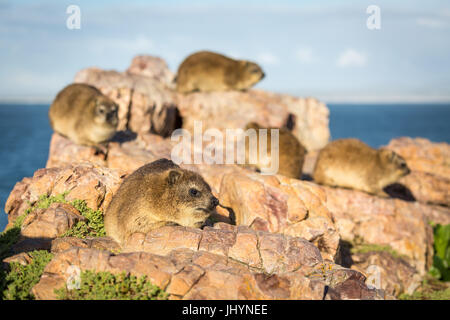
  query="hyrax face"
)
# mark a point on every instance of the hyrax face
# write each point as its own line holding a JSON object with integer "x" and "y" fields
{"x": 393, "y": 164}
{"x": 251, "y": 74}
{"x": 105, "y": 113}
{"x": 191, "y": 196}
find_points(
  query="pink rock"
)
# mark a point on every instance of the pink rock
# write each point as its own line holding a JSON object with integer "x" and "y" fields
{"x": 190, "y": 270}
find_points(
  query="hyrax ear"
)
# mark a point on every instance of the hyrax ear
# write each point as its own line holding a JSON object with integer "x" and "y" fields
{"x": 173, "y": 176}
{"x": 387, "y": 155}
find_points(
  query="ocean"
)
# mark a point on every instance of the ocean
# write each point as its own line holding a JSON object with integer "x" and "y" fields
{"x": 25, "y": 133}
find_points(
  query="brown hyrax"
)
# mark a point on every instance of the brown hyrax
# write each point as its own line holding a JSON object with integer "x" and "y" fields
{"x": 291, "y": 153}
{"x": 83, "y": 114}
{"x": 158, "y": 194}
{"x": 208, "y": 71}
{"x": 350, "y": 163}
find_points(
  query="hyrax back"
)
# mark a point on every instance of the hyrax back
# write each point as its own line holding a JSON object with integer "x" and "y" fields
{"x": 208, "y": 71}
{"x": 291, "y": 153}
{"x": 83, "y": 114}
{"x": 158, "y": 194}
{"x": 350, "y": 163}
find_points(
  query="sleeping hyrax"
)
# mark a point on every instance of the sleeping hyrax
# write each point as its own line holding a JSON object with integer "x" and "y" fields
{"x": 291, "y": 152}
{"x": 83, "y": 114}
{"x": 158, "y": 194}
{"x": 350, "y": 163}
{"x": 208, "y": 71}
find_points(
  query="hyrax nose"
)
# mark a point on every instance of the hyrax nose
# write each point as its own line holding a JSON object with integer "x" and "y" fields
{"x": 214, "y": 201}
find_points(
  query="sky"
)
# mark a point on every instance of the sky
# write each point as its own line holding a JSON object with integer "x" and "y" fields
{"x": 306, "y": 48}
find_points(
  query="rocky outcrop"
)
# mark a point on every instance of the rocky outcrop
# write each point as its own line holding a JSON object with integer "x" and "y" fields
{"x": 290, "y": 236}
{"x": 92, "y": 183}
{"x": 429, "y": 181}
{"x": 268, "y": 203}
{"x": 423, "y": 155}
{"x": 224, "y": 262}
{"x": 152, "y": 67}
{"x": 281, "y": 205}
{"x": 50, "y": 223}
{"x": 307, "y": 117}
{"x": 400, "y": 224}
{"x": 383, "y": 270}
{"x": 145, "y": 104}
{"x": 320, "y": 214}
{"x": 148, "y": 103}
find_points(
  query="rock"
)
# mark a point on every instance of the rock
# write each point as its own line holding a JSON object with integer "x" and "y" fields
{"x": 152, "y": 67}
{"x": 23, "y": 258}
{"x": 423, "y": 155}
{"x": 269, "y": 203}
{"x": 145, "y": 104}
{"x": 85, "y": 181}
{"x": 427, "y": 188}
{"x": 384, "y": 271}
{"x": 400, "y": 224}
{"x": 307, "y": 117}
{"x": 51, "y": 222}
{"x": 101, "y": 243}
{"x": 203, "y": 268}
{"x": 148, "y": 103}
{"x": 429, "y": 181}
{"x": 65, "y": 150}
{"x": 281, "y": 205}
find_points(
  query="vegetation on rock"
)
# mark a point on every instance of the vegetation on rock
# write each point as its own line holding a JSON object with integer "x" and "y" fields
{"x": 441, "y": 259}
{"x": 430, "y": 289}
{"x": 94, "y": 225}
{"x": 18, "y": 282}
{"x": 106, "y": 286}
{"x": 366, "y": 247}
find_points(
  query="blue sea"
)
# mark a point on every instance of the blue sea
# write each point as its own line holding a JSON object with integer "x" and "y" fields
{"x": 25, "y": 133}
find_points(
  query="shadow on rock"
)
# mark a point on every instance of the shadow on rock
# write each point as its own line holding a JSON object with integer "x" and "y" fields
{"x": 399, "y": 191}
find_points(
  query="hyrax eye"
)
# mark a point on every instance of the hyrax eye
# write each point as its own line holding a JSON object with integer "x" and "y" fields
{"x": 194, "y": 192}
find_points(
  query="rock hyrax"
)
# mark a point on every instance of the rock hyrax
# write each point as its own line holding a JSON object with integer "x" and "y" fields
{"x": 158, "y": 194}
{"x": 83, "y": 114}
{"x": 208, "y": 71}
{"x": 350, "y": 163}
{"x": 291, "y": 152}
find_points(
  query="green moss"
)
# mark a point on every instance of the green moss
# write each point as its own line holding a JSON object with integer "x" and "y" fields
{"x": 45, "y": 201}
{"x": 17, "y": 283}
{"x": 441, "y": 259}
{"x": 365, "y": 247}
{"x": 94, "y": 225}
{"x": 430, "y": 289}
{"x": 106, "y": 286}
{"x": 7, "y": 239}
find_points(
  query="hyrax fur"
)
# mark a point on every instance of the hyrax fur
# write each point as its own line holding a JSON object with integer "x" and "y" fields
{"x": 83, "y": 114}
{"x": 291, "y": 152}
{"x": 206, "y": 71}
{"x": 158, "y": 194}
{"x": 350, "y": 163}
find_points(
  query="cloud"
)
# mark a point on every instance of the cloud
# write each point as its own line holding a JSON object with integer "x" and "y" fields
{"x": 431, "y": 22}
{"x": 305, "y": 55}
{"x": 351, "y": 58}
{"x": 267, "y": 58}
